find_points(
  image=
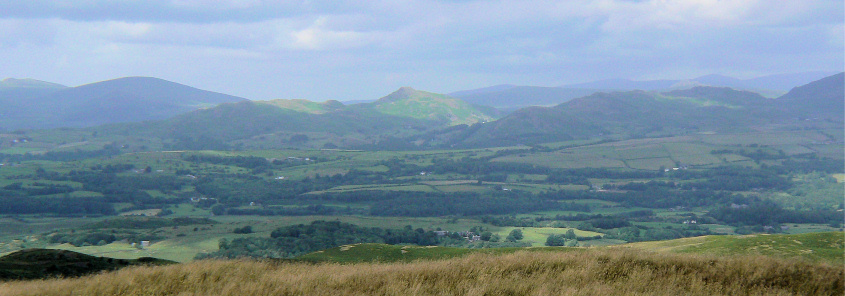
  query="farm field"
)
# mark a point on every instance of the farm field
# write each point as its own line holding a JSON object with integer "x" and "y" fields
{"x": 596, "y": 188}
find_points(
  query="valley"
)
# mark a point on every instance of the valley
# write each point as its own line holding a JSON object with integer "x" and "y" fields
{"x": 417, "y": 176}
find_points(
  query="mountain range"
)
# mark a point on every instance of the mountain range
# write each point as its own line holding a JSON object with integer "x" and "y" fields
{"x": 187, "y": 118}
{"x": 511, "y": 97}
{"x": 648, "y": 114}
{"x": 302, "y": 123}
{"x": 35, "y": 104}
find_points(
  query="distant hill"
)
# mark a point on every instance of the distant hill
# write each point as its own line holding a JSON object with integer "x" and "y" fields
{"x": 630, "y": 114}
{"x": 722, "y": 95}
{"x": 306, "y": 124}
{"x": 408, "y": 102}
{"x": 624, "y": 84}
{"x": 823, "y": 98}
{"x": 769, "y": 84}
{"x": 489, "y": 89}
{"x": 652, "y": 114}
{"x": 29, "y": 83}
{"x": 17, "y": 95}
{"x": 128, "y": 99}
{"x": 522, "y": 96}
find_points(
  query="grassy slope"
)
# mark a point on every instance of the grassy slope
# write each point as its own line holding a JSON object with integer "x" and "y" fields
{"x": 819, "y": 246}
{"x": 398, "y": 253}
{"x": 407, "y": 102}
{"x": 593, "y": 272}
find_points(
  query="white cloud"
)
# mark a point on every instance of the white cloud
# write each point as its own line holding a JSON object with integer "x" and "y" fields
{"x": 313, "y": 43}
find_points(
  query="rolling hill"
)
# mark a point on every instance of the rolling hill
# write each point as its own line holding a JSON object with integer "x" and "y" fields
{"x": 307, "y": 124}
{"x": 631, "y": 114}
{"x": 408, "y": 102}
{"x": 650, "y": 114}
{"x": 129, "y": 99}
{"x": 768, "y": 84}
{"x": 818, "y": 99}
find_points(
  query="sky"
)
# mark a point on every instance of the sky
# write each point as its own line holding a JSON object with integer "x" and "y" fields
{"x": 363, "y": 50}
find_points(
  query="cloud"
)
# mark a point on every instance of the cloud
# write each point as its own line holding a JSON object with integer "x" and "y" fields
{"x": 446, "y": 45}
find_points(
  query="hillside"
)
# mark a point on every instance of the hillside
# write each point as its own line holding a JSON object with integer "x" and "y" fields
{"x": 819, "y": 246}
{"x": 821, "y": 98}
{"x": 652, "y": 114}
{"x": 13, "y": 83}
{"x": 408, "y": 102}
{"x": 592, "y": 272}
{"x": 16, "y": 95}
{"x": 629, "y": 114}
{"x": 764, "y": 84}
{"x": 306, "y": 106}
{"x": 259, "y": 124}
{"x": 129, "y": 99}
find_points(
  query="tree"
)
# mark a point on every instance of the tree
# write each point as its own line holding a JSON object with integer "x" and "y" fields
{"x": 570, "y": 234}
{"x": 515, "y": 235}
{"x": 555, "y": 240}
{"x": 243, "y": 230}
{"x": 485, "y": 236}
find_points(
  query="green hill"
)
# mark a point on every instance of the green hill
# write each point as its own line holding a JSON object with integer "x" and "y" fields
{"x": 408, "y": 102}
{"x": 305, "y": 124}
{"x": 629, "y": 114}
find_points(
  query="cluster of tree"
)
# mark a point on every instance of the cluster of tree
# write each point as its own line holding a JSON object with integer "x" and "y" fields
{"x": 249, "y": 162}
{"x": 107, "y": 150}
{"x": 99, "y": 238}
{"x": 419, "y": 204}
{"x": 734, "y": 178}
{"x": 569, "y": 239}
{"x": 315, "y": 209}
{"x": 301, "y": 239}
{"x": 142, "y": 222}
{"x": 63, "y": 206}
{"x": 653, "y": 198}
{"x": 243, "y": 230}
{"x": 494, "y": 170}
{"x": 829, "y": 166}
{"x": 769, "y": 213}
{"x": 17, "y": 189}
{"x": 641, "y": 233}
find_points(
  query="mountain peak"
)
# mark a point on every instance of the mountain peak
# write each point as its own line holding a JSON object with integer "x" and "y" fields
{"x": 28, "y": 83}
{"x": 402, "y": 93}
{"x": 409, "y": 102}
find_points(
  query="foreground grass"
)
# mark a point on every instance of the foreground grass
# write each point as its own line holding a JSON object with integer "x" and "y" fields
{"x": 591, "y": 272}
{"x": 359, "y": 253}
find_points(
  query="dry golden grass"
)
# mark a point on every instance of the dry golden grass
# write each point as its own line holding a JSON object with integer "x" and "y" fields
{"x": 591, "y": 272}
